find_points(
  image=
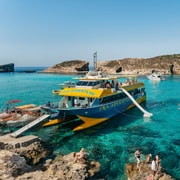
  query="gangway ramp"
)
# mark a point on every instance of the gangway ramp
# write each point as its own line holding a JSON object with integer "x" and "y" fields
{"x": 30, "y": 125}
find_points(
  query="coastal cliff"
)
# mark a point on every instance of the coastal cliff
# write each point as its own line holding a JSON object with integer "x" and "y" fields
{"x": 68, "y": 67}
{"x": 166, "y": 64}
{"x": 7, "y": 68}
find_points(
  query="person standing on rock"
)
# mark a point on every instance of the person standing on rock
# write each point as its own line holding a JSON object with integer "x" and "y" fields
{"x": 137, "y": 154}
{"x": 158, "y": 160}
{"x": 154, "y": 167}
{"x": 148, "y": 158}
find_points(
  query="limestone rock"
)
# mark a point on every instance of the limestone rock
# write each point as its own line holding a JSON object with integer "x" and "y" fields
{"x": 65, "y": 168}
{"x": 167, "y": 64}
{"x": 7, "y": 67}
{"x": 13, "y": 166}
{"x": 32, "y": 153}
{"x": 68, "y": 67}
{"x": 142, "y": 173}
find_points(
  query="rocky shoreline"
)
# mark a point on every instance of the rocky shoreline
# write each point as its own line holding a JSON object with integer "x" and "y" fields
{"x": 26, "y": 163}
{"x": 31, "y": 162}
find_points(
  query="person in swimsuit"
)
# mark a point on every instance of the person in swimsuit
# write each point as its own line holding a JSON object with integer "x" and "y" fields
{"x": 157, "y": 160}
{"x": 81, "y": 156}
{"x": 137, "y": 154}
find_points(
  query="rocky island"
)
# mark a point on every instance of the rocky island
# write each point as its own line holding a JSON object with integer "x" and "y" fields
{"x": 166, "y": 65}
{"x": 7, "y": 68}
{"x": 69, "y": 67}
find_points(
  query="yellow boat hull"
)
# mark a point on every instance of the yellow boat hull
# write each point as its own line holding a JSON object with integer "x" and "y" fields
{"x": 52, "y": 122}
{"x": 88, "y": 122}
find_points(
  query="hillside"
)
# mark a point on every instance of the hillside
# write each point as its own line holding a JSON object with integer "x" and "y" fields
{"x": 68, "y": 67}
{"x": 166, "y": 64}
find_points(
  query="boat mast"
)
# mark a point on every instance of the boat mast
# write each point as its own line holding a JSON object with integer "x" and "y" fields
{"x": 95, "y": 61}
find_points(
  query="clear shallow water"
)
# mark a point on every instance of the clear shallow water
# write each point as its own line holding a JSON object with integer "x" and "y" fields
{"x": 114, "y": 142}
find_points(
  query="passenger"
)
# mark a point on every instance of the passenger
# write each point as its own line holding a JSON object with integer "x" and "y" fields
{"x": 75, "y": 102}
{"x": 117, "y": 86}
{"x": 112, "y": 84}
{"x": 137, "y": 154}
{"x": 108, "y": 85}
{"x": 48, "y": 104}
{"x": 127, "y": 81}
{"x": 80, "y": 156}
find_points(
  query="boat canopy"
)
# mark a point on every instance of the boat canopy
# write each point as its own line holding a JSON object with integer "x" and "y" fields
{"x": 81, "y": 92}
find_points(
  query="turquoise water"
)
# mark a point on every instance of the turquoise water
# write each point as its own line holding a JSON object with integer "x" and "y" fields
{"x": 112, "y": 143}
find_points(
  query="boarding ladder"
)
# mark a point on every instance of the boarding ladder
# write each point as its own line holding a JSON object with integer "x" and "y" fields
{"x": 30, "y": 125}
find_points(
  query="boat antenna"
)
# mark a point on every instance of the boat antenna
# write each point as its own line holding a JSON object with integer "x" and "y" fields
{"x": 95, "y": 61}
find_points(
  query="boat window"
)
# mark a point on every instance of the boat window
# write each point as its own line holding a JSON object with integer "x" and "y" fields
{"x": 91, "y": 84}
{"x": 81, "y": 98}
{"x": 81, "y": 83}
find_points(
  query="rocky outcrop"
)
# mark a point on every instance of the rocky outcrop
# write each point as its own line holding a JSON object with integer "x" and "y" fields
{"x": 33, "y": 153}
{"x": 144, "y": 172}
{"x": 68, "y": 67}
{"x": 7, "y": 68}
{"x": 167, "y": 64}
{"x": 13, "y": 166}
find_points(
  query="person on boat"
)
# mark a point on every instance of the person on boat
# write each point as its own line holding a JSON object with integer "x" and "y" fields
{"x": 108, "y": 85}
{"x": 81, "y": 156}
{"x": 48, "y": 104}
{"x": 117, "y": 86}
{"x": 112, "y": 84}
{"x": 121, "y": 84}
{"x": 76, "y": 103}
{"x": 137, "y": 154}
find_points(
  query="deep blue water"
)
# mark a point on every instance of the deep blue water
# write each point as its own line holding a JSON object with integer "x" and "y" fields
{"x": 21, "y": 69}
{"x": 112, "y": 143}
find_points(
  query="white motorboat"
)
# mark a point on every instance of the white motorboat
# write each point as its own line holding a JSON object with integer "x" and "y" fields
{"x": 155, "y": 76}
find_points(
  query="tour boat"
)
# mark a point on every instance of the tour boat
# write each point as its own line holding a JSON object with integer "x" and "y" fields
{"x": 97, "y": 98}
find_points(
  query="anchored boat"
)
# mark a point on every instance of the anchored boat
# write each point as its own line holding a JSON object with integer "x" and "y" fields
{"x": 155, "y": 76}
{"x": 96, "y": 98}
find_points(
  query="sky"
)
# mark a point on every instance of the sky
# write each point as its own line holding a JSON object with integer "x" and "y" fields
{"x": 48, "y": 32}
